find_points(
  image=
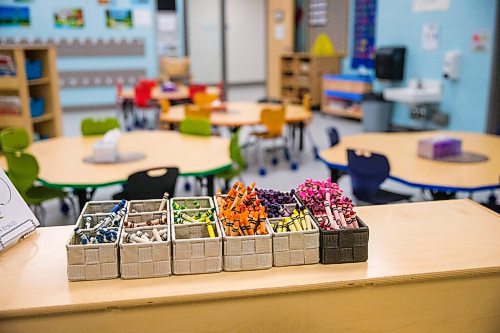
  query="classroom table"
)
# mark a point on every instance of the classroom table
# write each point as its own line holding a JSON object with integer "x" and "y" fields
{"x": 182, "y": 93}
{"x": 61, "y": 159}
{"x": 410, "y": 169}
{"x": 432, "y": 267}
{"x": 239, "y": 114}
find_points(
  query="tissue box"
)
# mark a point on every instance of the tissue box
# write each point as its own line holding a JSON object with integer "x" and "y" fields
{"x": 106, "y": 152}
{"x": 437, "y": 147}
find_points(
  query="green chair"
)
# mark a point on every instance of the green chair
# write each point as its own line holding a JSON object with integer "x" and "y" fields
{"x": 196, "y": 126}
{"x": 238, "y": 161}
{"x": 91, "y": 126}
{"x": 14, "y": 138}
{"x": 23, "y": 172}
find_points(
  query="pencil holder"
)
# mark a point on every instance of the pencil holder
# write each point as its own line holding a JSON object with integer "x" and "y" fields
{"x": 246, "y": 253}
{"x": 292, "y": 248}
{"x": 146, "y": 260}
{"x": 93, "y": 261}
{"x": 194, "y": 251}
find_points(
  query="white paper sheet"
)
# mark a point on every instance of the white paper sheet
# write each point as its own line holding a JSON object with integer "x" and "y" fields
{"x": 431, "y": 5}
{"x": 142, "y": 17}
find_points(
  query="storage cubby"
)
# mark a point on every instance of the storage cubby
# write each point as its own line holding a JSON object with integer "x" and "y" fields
{"x": 46, "y": 123}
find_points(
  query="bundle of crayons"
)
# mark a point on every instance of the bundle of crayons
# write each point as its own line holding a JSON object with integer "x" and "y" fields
{"x": 161, "y": 220}
{"x": 106, "y": 229}
{"x": 240, "y": 212}
{"x": 331, "y": 208}
{"x": 299, "y": 220}
{"x": 276, "y": 201}
{"x": 199, "y": 217}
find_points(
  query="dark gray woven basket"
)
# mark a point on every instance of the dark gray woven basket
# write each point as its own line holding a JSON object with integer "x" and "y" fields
{"x": 344, "y": 245}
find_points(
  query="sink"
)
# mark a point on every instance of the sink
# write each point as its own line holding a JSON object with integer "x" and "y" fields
{"x": 429, "y": 92}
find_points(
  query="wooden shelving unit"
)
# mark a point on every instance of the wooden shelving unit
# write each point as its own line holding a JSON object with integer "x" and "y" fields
{"x": 301, "y": 74}
{"x": 46, "y": 87}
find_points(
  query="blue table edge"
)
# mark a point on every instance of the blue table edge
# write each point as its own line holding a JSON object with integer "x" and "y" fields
{"x": 421, "y": 186}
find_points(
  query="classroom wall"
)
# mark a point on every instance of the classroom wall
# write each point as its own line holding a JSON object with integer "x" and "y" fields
{"x": 466, "y": 100}
{"x": 42, "y": 26}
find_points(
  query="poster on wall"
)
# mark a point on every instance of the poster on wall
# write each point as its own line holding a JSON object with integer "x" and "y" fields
{"x": 318, "y": 13}
{"x": 69, "y": 18}
{"x": 142, "y": 17}
{"x": 119, "y": 19}
{"x": 11, "y": 16}
{"x": 364, "y": 34}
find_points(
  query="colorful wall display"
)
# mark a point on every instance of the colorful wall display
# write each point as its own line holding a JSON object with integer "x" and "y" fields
{"x": 70, "y": 18}
{"x": 11, "y": 16}
{"x": 119, "y": 19}
{"x": 364, "y": 34}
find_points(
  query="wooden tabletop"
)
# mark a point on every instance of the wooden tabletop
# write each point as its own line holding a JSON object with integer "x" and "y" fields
{"x": 240, "y": 114}
{"x": 408, "y": 242}
{"x": 182, "y": 92}
{"x": 61, "y": 159}
{"x": 409, "y": 168}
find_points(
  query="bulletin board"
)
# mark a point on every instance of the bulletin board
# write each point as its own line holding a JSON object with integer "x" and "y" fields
{"x": 331, "y": 18}
{"x": 364, "y": 34}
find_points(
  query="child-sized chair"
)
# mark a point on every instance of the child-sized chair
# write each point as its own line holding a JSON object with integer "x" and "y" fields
{"x": 273, "y": 119}
{"x": 196, "y": 88}
{"x": 238, "y": 161}
{"x": 199, "y": 127}
{"x": 204, "y": 99}
{"x": 368, "y": 170}
{"x": 23, "y": 172}
{"x": 142, "y": 102}
{"x": 196, "y": 112}
{"x": 14, "y": 138}
{"x": 91, "y": 126}
{"x": 149, "y": 184}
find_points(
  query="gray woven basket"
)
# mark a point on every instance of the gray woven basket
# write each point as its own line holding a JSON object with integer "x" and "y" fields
{"x": 205, "y": 202}
{"x": 247, "y": 253}
{"x": 140, "y": 261}
{"x": 194, "y": 252}
{"x": 92, "y": 261}
{"x": 344, "y": 245}
{"x": 295, "y": 247}
{"x": 143, "y": 206}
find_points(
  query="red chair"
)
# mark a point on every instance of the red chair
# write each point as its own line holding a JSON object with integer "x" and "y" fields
{"x": 194, "y": 89}
{"x": 142, "y": 101}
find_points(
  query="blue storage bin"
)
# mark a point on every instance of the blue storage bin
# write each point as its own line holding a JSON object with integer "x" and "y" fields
{"x": 33, "y": 69}
{"x": 37, "y": 107}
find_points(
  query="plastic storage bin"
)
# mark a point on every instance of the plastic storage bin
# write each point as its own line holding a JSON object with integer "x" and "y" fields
{"x": 37, "y": 107}
{"x": 33, "y": 69}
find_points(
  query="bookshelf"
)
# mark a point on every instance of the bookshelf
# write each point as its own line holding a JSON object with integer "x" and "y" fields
{"x": 301, "y": 73}
{"x": 48, "y": 124}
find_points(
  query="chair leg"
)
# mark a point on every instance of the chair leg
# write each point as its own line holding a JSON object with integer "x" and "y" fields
{"x": 260, "y": 157}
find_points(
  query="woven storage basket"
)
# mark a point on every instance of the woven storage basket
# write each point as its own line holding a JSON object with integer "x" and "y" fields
{"x": 194, "y": 252}
{"x": 92, "y": 261}
{"x": 295, "y": 247}
{"x": 247, "y": 253}
{"x": 344, "y": 245}
{"x": 142, "y": 206}
{"x": 145, "y": 260}
{"x": 205, "y": 202}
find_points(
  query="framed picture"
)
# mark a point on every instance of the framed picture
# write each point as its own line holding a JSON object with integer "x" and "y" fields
{"x": 69, "y": 18}
{"x": 119, "y": 19}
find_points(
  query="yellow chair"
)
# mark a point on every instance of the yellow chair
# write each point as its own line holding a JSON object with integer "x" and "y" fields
{"x": 195, "y": 111}
{"x": 202, "y": 99}
{"x": 273, "y": 119}
{"x": 164, "y": 105}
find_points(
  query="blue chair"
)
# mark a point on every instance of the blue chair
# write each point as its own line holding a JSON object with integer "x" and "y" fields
{"x": 367, "y": 172}
{"x": 334, "y": 138}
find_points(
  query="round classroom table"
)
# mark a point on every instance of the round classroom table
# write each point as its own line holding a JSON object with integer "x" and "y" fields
{"x": 239, "y": 114}
{"x": 182, "y": 92}
{"x": 408, "y": 168}
{"x": 61, "y": 159}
